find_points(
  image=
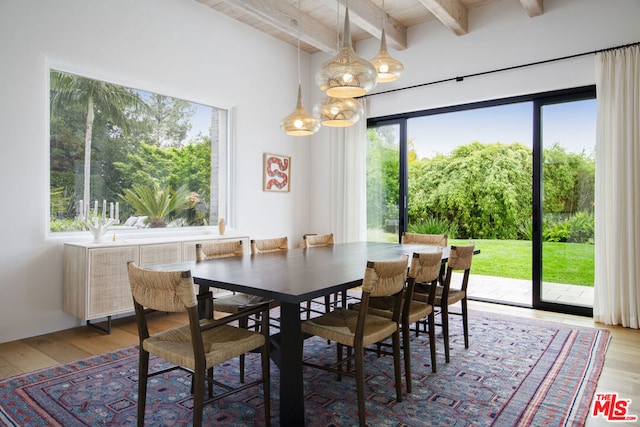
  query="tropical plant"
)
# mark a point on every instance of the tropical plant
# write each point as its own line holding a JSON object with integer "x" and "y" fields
{"x": 434, "y": 225}
{"x": 95, "y": 97}
{"x": 155, "y": 202}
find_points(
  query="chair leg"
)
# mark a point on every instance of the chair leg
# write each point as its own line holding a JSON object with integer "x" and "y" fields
{"x": 198, "y": 396}
{"x": 210, "y": 383}
{"x": 432, "y": 341}
{"x": 395, "y": 340}
{"x": 143, "y": 372}
{"x": 266, "y": 385}
{"x": 243, "y": 323}
{"x": 465, "y": 322}
{"x": 407, "y": 354}
{"x": 359, "y": 352}
{"x": 339, "y": 359}
{"x": 444, "y": 314}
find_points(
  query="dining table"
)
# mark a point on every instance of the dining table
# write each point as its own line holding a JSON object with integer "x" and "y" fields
{"x": 291, "y": 278}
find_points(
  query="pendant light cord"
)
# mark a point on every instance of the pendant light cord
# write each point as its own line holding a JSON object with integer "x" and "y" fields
{"x": 299, "y": 35}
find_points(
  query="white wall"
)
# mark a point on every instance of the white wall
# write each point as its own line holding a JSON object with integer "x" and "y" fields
{"x": 179, "y": 48}
{"x": 182, "y": 48}
{"x": 500, "y": 35}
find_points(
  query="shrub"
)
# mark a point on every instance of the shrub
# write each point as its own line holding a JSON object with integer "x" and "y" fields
{"x": 578, "y": 228}
{"x": 66, "y": 225}
{"x": 434, "y": 225}
{"x": 581, "y": 228}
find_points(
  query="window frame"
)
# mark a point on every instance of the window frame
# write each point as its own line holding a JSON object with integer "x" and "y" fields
{"x": 224, "y": 166}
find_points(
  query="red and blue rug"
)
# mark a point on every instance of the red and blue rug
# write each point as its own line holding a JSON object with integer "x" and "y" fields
{"x": 516, "y": 372}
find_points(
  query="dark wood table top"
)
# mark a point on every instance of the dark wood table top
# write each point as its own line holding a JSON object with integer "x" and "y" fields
{"x": 299, "y": 275}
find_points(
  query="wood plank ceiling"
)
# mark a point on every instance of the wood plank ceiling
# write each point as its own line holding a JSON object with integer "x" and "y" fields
{"x": 321, "y": 18}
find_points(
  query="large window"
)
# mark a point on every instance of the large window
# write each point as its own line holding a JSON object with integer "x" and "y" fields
{"x": 516, "y": 176}
{"x": 152, "y": 161}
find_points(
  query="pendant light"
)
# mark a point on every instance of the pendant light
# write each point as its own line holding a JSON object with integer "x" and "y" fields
{"x": 347, "y": 75}
{"x": 338, "y": 112}
{"x": 300, "y": 122}
{"x": 388, "y": 68}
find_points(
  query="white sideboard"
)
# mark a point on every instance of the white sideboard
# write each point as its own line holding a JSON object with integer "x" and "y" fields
{"x": 96, "y": 282}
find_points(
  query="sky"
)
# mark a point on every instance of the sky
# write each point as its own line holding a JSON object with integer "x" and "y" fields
{"x": 201, "y": 121}
{"x": 572, "y": 125}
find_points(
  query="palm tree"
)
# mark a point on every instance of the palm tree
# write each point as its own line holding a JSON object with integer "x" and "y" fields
{"x": 96, "y": 97}
{"x": 155, "y": 202}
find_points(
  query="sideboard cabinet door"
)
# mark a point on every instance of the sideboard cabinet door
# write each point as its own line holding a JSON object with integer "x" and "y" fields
{"x": 108, "y": 282}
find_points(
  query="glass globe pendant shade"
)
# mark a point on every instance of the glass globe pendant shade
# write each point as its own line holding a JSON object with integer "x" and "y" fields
{"x": 300, "y": 122}
{"x": 338, "y": 112}
{"x": 347, "y": 75}
{"x": 388, "y": 68}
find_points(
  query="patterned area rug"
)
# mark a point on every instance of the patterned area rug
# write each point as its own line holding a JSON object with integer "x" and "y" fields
{"x": 517, "y": 372}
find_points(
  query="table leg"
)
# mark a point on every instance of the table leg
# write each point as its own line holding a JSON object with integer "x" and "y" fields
{"x": 291, "y": 382}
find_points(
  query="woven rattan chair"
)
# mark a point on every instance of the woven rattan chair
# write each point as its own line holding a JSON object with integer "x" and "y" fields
{"x": 440, "y": 240}
{"x": 359, "y": 329}
{"x": 264, "y": 246}
{"x": 315, "y": 241}
{"x": 425, "y": 268}
{"x": 424, "y": 239}
{"x": 196, "y": 347}
{"x": 460, "y": 259}
{"x": 225, "y": 249}
{"x": 277, "y": 244}
{"x": 237, "y": 302}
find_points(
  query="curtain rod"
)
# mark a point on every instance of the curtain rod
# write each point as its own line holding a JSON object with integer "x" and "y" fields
{"x": 514, "y": 67}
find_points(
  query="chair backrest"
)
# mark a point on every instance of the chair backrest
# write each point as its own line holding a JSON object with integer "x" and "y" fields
{"x": 170, "y": 291}
{"x": 383, "y": 279}
{"x": 277, "y": 244}
{"x": 460, "y": 257}
{"x": 315, "y": 240}
{"x": 425, "y": 266}
{"x": 221, "y": 249}
{"x": 425, "y": 239}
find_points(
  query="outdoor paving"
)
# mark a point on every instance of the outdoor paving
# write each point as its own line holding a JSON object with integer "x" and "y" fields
{"x": 520, "y": 292}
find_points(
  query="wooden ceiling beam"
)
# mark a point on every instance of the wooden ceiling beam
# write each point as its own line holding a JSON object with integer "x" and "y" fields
{"x": 533, "y": 7}
{"x": 368, "y": 16}
{"x": 282, "y": 16}
{"x": 452, "y": 13}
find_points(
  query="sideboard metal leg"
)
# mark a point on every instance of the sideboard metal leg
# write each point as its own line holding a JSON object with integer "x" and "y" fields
{"x": 106, "y": 330}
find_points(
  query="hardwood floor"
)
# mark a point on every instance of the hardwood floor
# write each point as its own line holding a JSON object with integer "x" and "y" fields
{"x": 621, "y": 372}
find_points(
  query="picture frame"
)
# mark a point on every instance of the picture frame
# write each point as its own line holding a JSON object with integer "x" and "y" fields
{"x": 276, "y": 176}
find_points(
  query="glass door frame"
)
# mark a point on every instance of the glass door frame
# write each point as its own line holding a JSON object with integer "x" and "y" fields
{"x": 403, "y": 214}
{"x": 538, "y": 100}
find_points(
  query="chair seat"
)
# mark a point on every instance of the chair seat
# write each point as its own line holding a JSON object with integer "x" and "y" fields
{"x": 237, "y": 302}
{"x": 422, "y": 293}
{"x": 220, "y": 344}
{"x": 383, "y": 307}
{"x": 340, "y": 326}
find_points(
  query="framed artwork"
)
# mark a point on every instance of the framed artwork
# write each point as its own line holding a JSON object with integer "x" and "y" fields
{"x": 277, "y": 173}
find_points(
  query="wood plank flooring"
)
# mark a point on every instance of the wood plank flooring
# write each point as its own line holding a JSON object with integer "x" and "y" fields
{"x": 621, "y": 372}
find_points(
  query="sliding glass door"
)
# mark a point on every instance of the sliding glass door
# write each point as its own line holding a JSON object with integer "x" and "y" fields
{"x": 515, "y": 176}
{"x": 470, "y": 177}
{"x": 567, "y": 169}
{"x": 384, "y": 181}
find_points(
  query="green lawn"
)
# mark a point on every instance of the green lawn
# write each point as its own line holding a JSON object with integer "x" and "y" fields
{"x": 569, "y": 263}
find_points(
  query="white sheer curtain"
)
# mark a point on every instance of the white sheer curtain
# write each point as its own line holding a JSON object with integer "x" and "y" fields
{"x": 617, "y": 222}
{"x": 348, "y": 182}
